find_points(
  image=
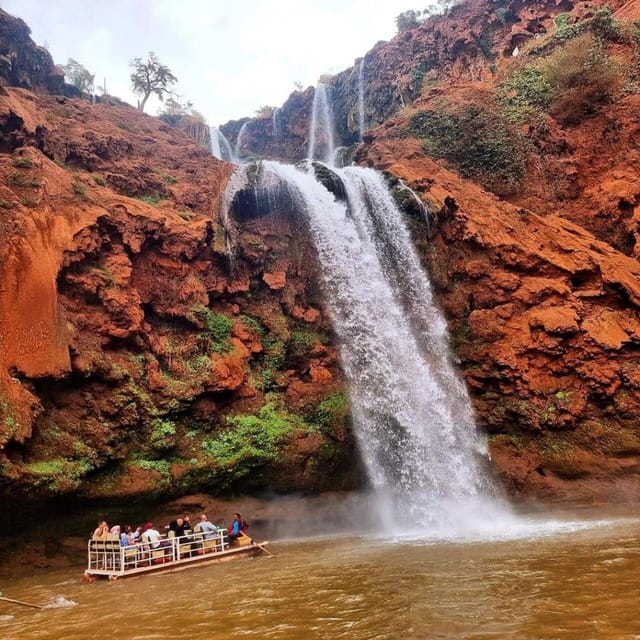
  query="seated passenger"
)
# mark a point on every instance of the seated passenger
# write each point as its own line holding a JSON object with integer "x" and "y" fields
{"x": 178, "y": 527}
{"x": 208, "y": 529}
{"x": 238, "y": 527}
{"x": 102, "y": 530}
{"x": 152, "y": 536}
{"x": 126, "y": 537}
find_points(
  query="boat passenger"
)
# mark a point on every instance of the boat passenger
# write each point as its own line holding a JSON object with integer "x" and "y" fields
{"x": 126, "y": 537}
{"x": 135, "y": 536}
{"x": 152, "y": 536}
{"x": 208, "y": 529}
{"x": 115, "y": 530}
{"x": 178, "y": 527}
{"x": 238, "y": 527}
{"x": 187, "y": 522}
{"x": 102, "y": 530}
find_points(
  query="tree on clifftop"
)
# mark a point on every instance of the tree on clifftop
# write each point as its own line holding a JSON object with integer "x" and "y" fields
{"x": 150, "y": 76}
{"x": 79, "y": 77}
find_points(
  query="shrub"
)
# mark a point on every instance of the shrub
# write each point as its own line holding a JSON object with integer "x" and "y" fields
{"x": 79, "y": 190}
{"x": 502, "y": 15}
{"x": 300, "y": 345}
{"x": 153, "y": 199}
{"x": 251, "y": 440}
{"x": 565, "y": 29}
{"x": 60, "y": 475}
{"x": 161, "y": 466}
{"x": 168, "y": 178}
{"x": 100, "y": 181}
{"x": 217, "y": 328}
{"x": 582, "y": 77}
{"x": 476, "y": 140}
{"x": 408, "y": 20}
{"x": 604, "y": 26}
{"x": 162, "y": 435}
{"x": 21, "y": 180}
{"x": 525, "y": 94}
{"x": 252, "y": 324}
{"x": 22, "y": 162}
{"x": 330, "y": 410}
{"x": 484, "y": 42}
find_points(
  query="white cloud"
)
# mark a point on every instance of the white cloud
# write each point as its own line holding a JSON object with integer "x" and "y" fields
{"x": 230, "y": 57}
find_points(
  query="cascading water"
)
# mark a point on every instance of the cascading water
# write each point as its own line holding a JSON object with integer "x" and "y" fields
{"x": 361, "y": 96}
{"x": 238, "y": 149}
{"x": 321, "y": 138}
{"x": 275, "y": 127}
{"x": 411, "y": 412}
{"x": 220, "y": 147}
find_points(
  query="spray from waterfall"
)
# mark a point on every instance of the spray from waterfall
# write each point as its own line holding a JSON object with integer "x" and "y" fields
{"x": 321, "y": 136}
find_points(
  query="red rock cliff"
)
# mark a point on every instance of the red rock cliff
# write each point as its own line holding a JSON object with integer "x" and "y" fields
{"x": 517, "y": 123}
{"x": 138, "y": 354}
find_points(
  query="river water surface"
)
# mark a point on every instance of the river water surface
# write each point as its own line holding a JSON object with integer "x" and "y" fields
{"x": 560, "y": 581}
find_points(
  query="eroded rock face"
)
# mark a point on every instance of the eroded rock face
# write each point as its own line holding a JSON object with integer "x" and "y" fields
{"x": 465, "y": 46}
{"x": 138, "y": 356}
{"x": 132, "y": 339}
{"x": 544, "y": 321}
{"x": 22, "y": 62}
{"x": 541, "y": 285}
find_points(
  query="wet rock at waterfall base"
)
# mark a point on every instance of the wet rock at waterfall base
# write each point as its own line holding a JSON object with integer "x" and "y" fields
{"x": 331, "y": 180}
{"x": 249, "y": 204}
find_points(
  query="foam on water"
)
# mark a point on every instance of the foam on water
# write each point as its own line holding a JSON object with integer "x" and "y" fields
{"x": 60, "y": 602}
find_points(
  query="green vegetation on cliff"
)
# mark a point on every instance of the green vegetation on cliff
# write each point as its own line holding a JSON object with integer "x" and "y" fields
{"x": 477, "y": 140}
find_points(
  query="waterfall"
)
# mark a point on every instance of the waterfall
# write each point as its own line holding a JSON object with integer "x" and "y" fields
{"x": 361, "y": 97}
{"x": 321, "y": 141}
{"x": 411, "y": 412}
{"x": 219, "y": 145}
{"x": 239, "y": 142}
{"x": 274, "y": 125}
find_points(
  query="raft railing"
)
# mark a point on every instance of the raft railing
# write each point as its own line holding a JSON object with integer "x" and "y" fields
{"x": 109, "y": 556}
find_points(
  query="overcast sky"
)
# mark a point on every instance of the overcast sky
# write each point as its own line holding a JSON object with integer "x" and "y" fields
{"x": 230, "y": 58}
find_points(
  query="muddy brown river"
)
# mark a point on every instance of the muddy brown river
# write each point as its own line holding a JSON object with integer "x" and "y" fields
{"x": 555, "y": 581}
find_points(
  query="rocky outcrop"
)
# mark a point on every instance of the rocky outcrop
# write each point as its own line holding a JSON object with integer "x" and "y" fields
{"x": 541, "y": 284}
{"x": 22, "y": 62}
{"x": 466, "y": 45}
{"x": 138, "y": 356}
{"x": 544, "y": 321}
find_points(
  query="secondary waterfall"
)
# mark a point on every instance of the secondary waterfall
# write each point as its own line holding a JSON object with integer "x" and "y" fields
{"x": 321, "y": 138}
{"x": 275, "y": 127}
{"x": 220, "y": 147}
{"x": 412, "y": 415}
{"x": 237, "y": 151}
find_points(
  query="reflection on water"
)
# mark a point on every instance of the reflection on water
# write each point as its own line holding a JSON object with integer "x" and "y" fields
{"x": 576, "y": 583}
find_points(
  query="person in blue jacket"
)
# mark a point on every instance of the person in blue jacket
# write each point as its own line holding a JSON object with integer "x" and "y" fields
{"x": 237, "y": 528}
